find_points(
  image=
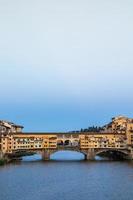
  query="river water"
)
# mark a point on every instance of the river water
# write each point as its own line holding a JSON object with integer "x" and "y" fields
{"x": 66, "y": 178}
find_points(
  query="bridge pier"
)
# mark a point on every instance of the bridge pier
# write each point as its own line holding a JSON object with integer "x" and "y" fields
{"x": 1, "y": 155}
{"x": 90, "y": 154}
{"x": 46, "y": 154}
{"x": 130, "y": 155}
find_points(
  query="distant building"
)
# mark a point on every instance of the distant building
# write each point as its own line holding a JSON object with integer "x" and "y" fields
{"x": 119, "y": 124}
{"x": 9, "y": 127}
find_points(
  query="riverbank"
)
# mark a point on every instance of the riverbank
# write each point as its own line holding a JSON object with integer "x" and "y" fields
{"x": 3, "y": 161}
{"x": 16, "y": 156}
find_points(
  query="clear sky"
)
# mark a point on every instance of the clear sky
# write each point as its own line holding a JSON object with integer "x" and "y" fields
{"x": 65, "y": 64}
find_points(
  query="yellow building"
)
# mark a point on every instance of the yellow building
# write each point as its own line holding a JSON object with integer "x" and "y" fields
{"x": 104, "y": 140}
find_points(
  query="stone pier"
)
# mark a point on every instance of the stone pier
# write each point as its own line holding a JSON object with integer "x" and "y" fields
{"x": 130, "y": 154}
{"x": 89, "y": 154}
{"x": 46, "y": 154}
{"x": 1, "y": 155}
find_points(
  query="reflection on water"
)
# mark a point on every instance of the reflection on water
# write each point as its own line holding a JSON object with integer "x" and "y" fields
{"x": 35, "y": 157}
{"x": 82, "y": 180}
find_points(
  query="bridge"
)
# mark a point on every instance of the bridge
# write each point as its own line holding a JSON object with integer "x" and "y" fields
{"x": 115, "y": 139}
{"x": 90, "y": 144}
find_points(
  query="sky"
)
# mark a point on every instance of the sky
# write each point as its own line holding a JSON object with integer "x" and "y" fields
{"x": 65, "y": 65}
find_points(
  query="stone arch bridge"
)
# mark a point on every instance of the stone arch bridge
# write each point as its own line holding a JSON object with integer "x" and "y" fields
{"x": 90, "y": 144}
{"x": 89, "y": 154}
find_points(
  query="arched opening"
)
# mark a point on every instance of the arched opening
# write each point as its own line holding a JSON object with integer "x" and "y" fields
{"x": 32, "y": 158}
{"x": 75, "y": 143}
{"x": 67, "y": 155}
{"x": 67, "y": 143}
{"x": 60, "y": 143}
{"x": 111, "y": 155}
{"x": 25, "y": 155}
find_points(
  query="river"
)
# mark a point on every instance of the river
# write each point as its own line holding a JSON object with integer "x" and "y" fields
{"x": 66, "y": 178}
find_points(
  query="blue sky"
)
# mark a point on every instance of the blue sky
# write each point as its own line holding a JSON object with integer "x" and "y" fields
{"x": 65, "y": 64}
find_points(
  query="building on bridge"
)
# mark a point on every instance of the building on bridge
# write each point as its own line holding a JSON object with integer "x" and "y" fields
{"x": 6, "y": 130}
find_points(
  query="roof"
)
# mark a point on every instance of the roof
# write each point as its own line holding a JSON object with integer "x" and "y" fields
{"x": 9, "y": 124}
{"x": 67, "y": 133}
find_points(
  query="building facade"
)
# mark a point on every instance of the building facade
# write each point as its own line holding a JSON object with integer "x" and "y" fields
{"x": 7, "y": 129}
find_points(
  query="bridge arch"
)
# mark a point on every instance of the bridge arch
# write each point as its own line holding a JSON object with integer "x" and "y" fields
{"x": 113, "y": 153}
{"x": 60, "y": 142}
{"x": 75, "y": 142}
{"x": 67, "y": 155}
{"x": 68, "y": 142}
